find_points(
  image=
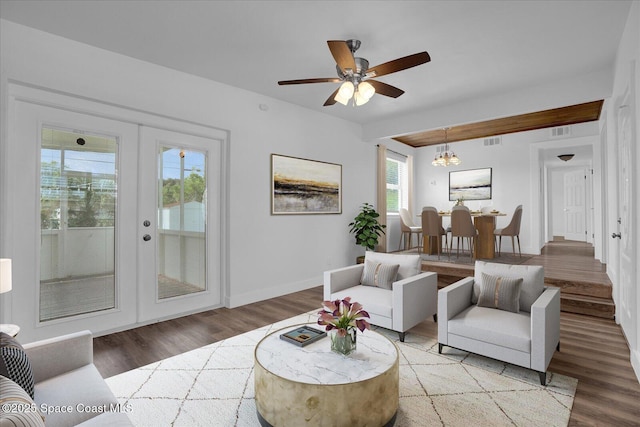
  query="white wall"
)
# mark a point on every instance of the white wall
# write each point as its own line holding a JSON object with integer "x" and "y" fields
{"x": 267, "y": 255}
{"x": 557, "y": 203}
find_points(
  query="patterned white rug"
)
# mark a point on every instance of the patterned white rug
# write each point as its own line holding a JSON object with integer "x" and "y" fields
{"x": 213, "y": 386}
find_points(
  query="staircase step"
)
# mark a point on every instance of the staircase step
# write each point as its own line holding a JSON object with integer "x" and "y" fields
{"x": 577, "y": 296}
{"x": 581, "y": 287}
{"x": 592, "y": 306}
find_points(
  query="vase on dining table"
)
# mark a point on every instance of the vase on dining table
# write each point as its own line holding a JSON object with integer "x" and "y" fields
{"x": 345, "y": 344}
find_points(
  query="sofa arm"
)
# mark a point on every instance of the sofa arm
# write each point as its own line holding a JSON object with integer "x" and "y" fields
{"x": 341, "y": 278}
{"x": 413, "y": 300}
{"x": 545, "y": 328}
{"x": 452, "y": 300}
{"x": 55, "y": 356}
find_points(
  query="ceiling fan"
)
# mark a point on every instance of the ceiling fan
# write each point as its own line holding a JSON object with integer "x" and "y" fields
{"x": 357, "y": 77}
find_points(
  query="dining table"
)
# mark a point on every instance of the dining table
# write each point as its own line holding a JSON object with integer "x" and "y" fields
{"x": 485, "y": 223}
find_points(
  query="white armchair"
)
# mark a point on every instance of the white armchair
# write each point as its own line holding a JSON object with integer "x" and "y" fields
{"x": 526, "y": 338}
{"x": 412, "y": 296}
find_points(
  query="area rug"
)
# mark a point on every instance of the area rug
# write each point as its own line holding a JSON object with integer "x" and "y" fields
{"x": 214, "y": 386}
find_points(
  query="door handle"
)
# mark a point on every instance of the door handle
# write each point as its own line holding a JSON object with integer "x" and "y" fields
{"x": 146, "y": 237}
{"x": 618, "y": 235}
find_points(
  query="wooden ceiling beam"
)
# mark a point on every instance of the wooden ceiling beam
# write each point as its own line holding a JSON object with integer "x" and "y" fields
{"x": 562, "y": 116}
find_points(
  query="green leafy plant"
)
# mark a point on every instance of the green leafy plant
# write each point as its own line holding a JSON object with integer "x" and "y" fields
{"x": 366, "y": 227}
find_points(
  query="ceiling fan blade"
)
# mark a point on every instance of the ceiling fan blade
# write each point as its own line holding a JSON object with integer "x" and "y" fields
{"x": 399, "y": 64}
{"x": 304, "y": 81}
{"x": 331, "y": 100}
{"x": 385, "y": 89}
{"x": 342, "y": 54}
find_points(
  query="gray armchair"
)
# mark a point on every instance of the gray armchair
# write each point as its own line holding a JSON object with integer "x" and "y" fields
{"x": 408, "y": 300}
{"x": 526, "y": 338}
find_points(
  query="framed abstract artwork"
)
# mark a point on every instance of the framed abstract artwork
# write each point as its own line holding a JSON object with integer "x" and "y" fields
{"x": 473, "y": 184}
{"x": 302, "y": 186}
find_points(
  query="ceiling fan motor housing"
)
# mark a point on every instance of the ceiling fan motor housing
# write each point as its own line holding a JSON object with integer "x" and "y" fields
{"x": 362, "y": 65}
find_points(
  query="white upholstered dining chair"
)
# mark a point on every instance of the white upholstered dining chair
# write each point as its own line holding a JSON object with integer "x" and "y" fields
{"x": 408, "y": 227}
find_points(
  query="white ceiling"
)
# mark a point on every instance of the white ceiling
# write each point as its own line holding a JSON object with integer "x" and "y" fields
{"x": 478, "y": 48}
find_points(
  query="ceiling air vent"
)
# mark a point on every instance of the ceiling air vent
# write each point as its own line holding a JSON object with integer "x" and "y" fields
{"x": 560, "y": 132}
{"x": 494, "y": 140}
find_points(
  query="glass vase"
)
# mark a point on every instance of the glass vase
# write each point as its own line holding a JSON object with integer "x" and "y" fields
{"x": 344, "y": 345}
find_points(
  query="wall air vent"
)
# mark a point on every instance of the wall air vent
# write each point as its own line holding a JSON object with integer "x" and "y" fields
{"x": 560, "y": 131}
{"x": 494, "y": 140}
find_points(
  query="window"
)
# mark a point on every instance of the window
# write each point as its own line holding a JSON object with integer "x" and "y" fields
{"x": 397, "y": 182}
{"x": 78, "y": 196}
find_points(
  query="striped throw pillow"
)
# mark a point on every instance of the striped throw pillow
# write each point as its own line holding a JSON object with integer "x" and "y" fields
{"x": 499, "y": 292}
{"x": 18, "y": 410}
{"x": 378, "y": 274}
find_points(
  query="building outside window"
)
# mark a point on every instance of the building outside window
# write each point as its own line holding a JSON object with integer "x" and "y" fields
{"x": 397, "y": 182}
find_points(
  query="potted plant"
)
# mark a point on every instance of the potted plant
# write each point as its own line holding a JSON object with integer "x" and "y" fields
{"x": 366, "y": 227}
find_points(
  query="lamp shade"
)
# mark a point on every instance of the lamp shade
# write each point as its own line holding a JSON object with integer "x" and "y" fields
{"x": 345, "y": 93}
{"x": 366, "y": 90}
{"x": 5, "y": 275}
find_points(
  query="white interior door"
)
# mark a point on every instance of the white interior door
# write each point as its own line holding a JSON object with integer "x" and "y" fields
{"x": 575, "y": 213}
{"x": 627, "y": 218}
{"x": 179, "y": 223}
{"x": 69, "y": 228}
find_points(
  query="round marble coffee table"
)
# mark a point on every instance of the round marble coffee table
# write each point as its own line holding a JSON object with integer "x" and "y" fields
{"x": 313, "y": 386}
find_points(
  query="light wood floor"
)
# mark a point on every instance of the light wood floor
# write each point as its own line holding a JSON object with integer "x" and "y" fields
{"x": 593, "y": 350}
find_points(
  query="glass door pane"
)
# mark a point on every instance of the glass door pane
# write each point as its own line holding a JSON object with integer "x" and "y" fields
{"x": 78, "y": 197}
{"x": 181, "y": 221}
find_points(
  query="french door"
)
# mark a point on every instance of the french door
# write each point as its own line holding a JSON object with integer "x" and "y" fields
{"x": 109, "y": 223}
{"x": 179, "y": 228}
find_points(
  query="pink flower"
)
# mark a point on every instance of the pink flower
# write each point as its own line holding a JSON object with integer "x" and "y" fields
{"x": 343, "y": 315}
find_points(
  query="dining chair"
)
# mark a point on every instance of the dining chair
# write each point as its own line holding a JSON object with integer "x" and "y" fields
{"x": 513, "y": 230}
{"x": 432, "y": 227}
{"x": 462, "y": 226}
{"x": 408, "y": 227}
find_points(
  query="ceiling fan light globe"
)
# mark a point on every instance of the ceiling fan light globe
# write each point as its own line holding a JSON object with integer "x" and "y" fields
{"x": 366, "y": 90}
{"x": 359, "y": 99}
{"x": 346, "y": 90}
{"x": 342, "y": 100}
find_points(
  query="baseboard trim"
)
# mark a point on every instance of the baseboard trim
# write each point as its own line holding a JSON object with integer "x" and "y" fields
{"x": 635, "y": 363}
{"x": 272, "y": 292}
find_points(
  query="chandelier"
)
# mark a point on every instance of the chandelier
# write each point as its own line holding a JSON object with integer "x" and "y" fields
{"x": 446, "y": 157}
